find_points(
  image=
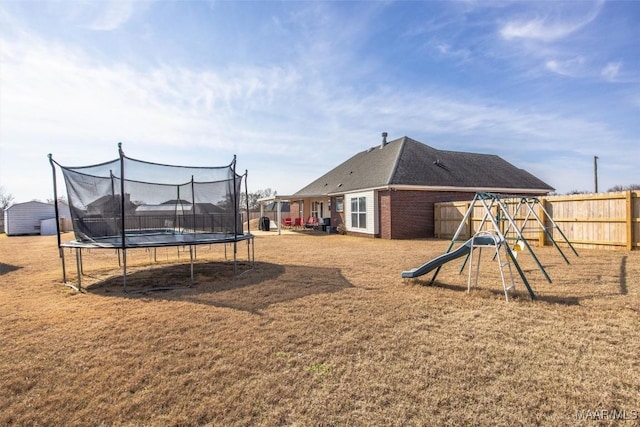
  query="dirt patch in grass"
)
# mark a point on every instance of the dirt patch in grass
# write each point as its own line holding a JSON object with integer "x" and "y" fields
{"x": 322, "y": 331}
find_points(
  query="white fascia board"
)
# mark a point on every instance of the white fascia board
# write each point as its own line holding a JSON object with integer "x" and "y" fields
{"x": 470, "y": 189}
{"x": 360, "y": 190}
{"x": 275, "y": 199}
{"x": 310, "y": 196}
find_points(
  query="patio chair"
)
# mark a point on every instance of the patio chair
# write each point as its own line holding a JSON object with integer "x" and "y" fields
{"x": 287, "y": 223}
{"x": 312, "y": 223}
{"x": 297, "y": 223}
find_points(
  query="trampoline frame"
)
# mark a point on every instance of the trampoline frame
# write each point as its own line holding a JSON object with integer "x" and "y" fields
{"x": 165, "y": 237}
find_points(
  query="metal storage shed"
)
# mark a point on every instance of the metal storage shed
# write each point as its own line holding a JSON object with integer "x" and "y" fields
{"x": 25, "y": 218}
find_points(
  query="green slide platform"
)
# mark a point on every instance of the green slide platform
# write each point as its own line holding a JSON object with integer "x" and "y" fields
{"x": 449, "y": 256}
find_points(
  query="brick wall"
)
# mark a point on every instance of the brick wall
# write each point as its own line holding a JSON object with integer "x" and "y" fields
{"x": 410, "y": 214}
{"x": 294, "y": 210}
{"x": 384, "y": 209}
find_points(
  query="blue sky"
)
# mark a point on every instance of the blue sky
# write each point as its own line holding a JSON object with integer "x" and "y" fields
{"x": 295, "y": 88}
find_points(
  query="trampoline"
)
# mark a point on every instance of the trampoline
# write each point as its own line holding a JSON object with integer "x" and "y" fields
{"x": 128, "y": 204}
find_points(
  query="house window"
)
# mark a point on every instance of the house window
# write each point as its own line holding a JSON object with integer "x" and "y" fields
{"x": 339, "y": 204}
{"x": 359, "y": 212}
{"x": 316, "y": 209}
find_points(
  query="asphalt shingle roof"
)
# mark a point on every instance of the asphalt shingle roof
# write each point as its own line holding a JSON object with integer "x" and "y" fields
{"x": 405, "y": 161}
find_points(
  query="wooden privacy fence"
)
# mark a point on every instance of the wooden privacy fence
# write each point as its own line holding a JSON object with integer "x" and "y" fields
{"x": 589, "y": 221}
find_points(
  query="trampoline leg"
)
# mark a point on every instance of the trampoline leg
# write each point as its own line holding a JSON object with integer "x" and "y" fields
{"x": 235, "y": 258}
{"x": 64, "y": 270}
{"x": 124, "y": 269}
{"x": 191, "y": 257}
{"x": 79, "y": 268}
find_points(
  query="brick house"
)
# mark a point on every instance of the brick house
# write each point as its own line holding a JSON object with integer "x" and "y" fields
{"x": 389, "y": 190}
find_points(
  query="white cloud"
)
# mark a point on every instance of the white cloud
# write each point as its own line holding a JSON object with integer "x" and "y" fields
{"x": 446, "y": 50}
{"x": 611, "y": 71}
{"x": 111, "y": 15}
{"x": 67, "y": 93}
{"x": 58, "y": 100}
{"x": 295, "y": 117}
{"x": 555, "y": 24}
{"x": 102, "y": 15}
{"x": 568, "y": 67}
{"x": 536, "y": 29}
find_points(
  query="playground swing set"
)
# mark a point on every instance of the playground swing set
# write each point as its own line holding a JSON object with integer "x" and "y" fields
{"x": 504, "y": 220}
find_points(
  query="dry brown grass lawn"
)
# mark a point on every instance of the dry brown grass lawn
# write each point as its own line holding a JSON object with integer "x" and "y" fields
{"x": 322, "y": 332}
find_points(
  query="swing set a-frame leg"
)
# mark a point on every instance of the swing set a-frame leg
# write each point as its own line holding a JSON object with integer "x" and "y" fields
{"x": 521, "y": 273}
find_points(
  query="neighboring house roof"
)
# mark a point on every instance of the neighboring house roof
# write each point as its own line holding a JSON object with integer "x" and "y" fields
{"x": 27, "y": 204}
{"x": 273, "y": 206}
{"x": 109, "y": 203}
{"x": 164, "y": 208}
{"x": 176, "y": 202}
{"x": 172, "y": 206}
{"x": 209, "y": 208}
{"x": 406, "y": 162}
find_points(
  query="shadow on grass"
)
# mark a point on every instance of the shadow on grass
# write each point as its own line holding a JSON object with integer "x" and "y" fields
{"x": 216, "y": 284}
{"x": 316, "y": 233}
{"x": 8, "y": 268}
{"x": 522, "y": 293}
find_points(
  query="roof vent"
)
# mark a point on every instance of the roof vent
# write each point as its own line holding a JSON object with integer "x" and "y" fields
{"x": 438, "y": 163}
{"x": 384, "y": 139}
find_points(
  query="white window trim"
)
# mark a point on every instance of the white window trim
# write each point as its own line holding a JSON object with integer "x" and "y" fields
{"x": 371, "y": 212}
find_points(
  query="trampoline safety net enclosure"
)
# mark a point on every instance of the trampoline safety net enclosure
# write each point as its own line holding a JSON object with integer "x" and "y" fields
{"x": 128, "y": 203}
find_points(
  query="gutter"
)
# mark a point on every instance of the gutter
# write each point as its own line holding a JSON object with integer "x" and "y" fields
{"x": 447, "y": 188}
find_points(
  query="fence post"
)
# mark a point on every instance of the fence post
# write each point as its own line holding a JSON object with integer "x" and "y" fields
{"x": 630, "y": 237}
{"x": 543, "y": 219}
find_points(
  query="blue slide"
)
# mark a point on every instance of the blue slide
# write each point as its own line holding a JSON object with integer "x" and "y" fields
{"x": 445, "y": 258}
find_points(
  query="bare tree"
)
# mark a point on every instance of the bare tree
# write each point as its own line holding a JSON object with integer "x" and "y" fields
{"x": 625, "y": 187}
{"x": 5, "y": 198}
{"x": 253, "y": 198}
{"x": 61, "y": 199}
